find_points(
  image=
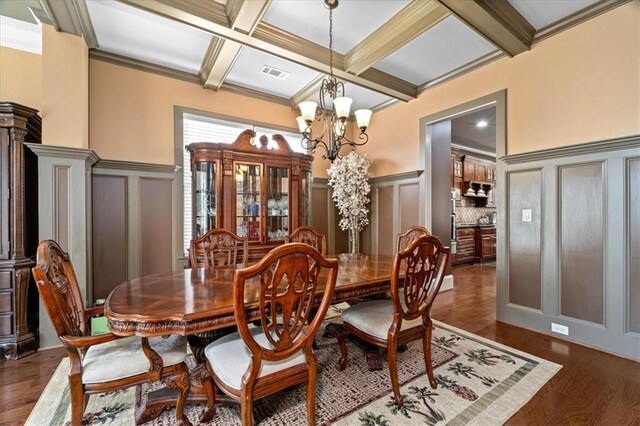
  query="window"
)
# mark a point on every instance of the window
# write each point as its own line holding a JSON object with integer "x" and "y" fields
{"x": 199, "y": 128}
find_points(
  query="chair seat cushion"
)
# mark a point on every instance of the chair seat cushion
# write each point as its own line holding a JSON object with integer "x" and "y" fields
{"x": 229, "y": 358}
{"x": 123, "y": 358}
{"x": 375, "y": 318}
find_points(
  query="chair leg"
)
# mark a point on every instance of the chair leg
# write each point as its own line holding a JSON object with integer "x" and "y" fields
{"x": 342, "y": 342}
{"x": 77, "y": 399}
{"x": 426, "y": 348}
{"x": 311, "y": 392}
{"x": 246, "y": 408}
{"x": 392, "y": 350}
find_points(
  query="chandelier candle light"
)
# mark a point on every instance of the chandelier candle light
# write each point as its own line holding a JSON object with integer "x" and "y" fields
{"x": 334, "y": 120}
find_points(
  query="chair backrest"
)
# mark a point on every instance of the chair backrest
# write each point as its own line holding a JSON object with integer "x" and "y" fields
{"x": 424, "y": 263}
{"x": 403, "y": 240}
{"x": 307, "y": 235}
{"x": 217, "y": 248}
{"x": 59, "y": 290}
{"x": 288, "y": 278}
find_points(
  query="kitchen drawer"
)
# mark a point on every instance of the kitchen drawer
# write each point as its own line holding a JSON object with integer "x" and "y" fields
{"x": 5, "y": 279}
{"x": 465, "y": 253}
{"x": 460, "y": 232}
{"x": 488, "y": 231}
{"x": 465, "y": 242}
{"x": 5, "y": 302}
{"x": 6, "y": 324}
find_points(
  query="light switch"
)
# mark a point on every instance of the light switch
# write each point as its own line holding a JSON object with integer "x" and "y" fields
{"x": 527, "y": 215}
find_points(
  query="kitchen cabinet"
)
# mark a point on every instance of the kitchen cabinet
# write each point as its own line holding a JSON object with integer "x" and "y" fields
{"x": 256, "y": 192}
{"x": 485, "y": 243}
{"x": 465, "y": 246}
{"x": 457, "y": 182}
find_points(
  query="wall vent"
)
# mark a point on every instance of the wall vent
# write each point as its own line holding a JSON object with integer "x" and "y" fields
{"x": 274, "y": 72}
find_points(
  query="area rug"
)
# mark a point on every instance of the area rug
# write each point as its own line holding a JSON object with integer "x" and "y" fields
{"x": 479, "y": 382}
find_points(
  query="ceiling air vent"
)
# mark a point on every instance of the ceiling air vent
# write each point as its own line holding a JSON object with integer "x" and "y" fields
{"x": 274, "y": 72}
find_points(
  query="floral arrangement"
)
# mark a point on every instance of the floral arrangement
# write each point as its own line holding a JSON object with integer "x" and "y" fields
{"x": 348, "y": 177}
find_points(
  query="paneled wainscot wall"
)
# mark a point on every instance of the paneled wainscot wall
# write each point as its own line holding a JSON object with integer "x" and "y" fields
{"x": 572, "y": 251}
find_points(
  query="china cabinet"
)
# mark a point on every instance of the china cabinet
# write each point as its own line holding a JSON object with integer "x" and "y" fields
{"x": 256, "y": 188}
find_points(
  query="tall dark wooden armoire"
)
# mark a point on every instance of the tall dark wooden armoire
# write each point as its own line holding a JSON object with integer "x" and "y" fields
{"x": 18, "y": 230}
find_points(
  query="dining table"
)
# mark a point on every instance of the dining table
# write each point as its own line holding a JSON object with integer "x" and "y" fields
{"x": 198, "y": 303}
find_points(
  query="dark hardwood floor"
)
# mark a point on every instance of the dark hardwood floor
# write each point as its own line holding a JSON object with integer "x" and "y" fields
{"x": 593, "y": 387}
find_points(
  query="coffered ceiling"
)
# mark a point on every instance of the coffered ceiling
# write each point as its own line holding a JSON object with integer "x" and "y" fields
{"x": 385, "y": 50}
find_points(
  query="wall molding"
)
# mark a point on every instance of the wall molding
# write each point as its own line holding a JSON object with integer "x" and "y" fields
{"x": 21, "y": 35}
{"x": 572, "y": 150}
{"x": 396, "y": 177}
{"x": 135, "y": 166}
{"x": 88, "y": 155}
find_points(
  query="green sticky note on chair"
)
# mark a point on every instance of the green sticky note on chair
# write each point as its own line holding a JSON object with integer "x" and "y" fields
{"x": 99, "y": 326}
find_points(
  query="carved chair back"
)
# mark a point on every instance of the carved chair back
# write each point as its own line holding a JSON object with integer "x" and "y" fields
{"x": 288, "y": 277}
{"x": 423, "y": 262}
{"x": 308, "y": 235}
{"x": 403, "y": 240}
{"x": 217, "y": 248}
{"x": 59, "y": 290}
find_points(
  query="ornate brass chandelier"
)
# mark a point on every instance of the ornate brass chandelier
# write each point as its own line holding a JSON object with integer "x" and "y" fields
{"x": 334, "y": 115}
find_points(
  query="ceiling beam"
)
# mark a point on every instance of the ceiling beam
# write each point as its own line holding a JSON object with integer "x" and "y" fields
{"x": 307, "y": 91}
{"x": 274, "y": 41}
{"x": 495, "y": 20}
{"x": 243, "y": 15}
{"x": 72, "y": 16}
{"x": 416, "y": 18}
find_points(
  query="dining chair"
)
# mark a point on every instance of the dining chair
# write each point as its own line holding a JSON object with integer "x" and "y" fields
{"x": 104, "y": 362}
{"x": 256, "y": 362}
{"x": 308, "y": 235}
{"x": 403, "y": 240}
{"x": 217, "y": 248}
{"x": 405, "y": 317}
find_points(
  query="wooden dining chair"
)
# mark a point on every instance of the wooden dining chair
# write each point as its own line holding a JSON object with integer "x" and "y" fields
{"x": 308, "y": 235}
{"x": 403, "y": 240}
{"x": 105, "y": 362}
{"x": 258, "y": 361}
{"x": 405, "y": 318}
{"x": 217, "y": 248}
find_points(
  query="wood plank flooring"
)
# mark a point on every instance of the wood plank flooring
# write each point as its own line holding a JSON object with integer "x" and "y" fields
{"x": 593, "y": 387}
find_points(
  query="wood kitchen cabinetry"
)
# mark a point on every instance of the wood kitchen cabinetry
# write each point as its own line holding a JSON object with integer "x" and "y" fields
{"x": 485, "y": 243}
{"x": 474, "y": 178}
{"x": 256, "y": 192}
{"x": 465, "y": 246}
{"x": 457, "y": 182}
{"x": 475, "y": 244}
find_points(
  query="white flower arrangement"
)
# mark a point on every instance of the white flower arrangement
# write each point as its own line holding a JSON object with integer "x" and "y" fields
{"x": 349, "y": 179}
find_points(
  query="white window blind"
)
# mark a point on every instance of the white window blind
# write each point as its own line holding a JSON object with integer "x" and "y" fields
{"x": 197, "y": 128}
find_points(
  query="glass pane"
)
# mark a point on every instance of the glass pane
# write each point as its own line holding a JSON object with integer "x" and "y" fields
{"x": 205, "y": 198}
{"x": 248, "y": 201}
{"x": 278, "y": 203}
{"x": 305, "y": 199}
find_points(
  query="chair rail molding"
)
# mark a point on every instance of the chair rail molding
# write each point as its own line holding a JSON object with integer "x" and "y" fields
{"x": 64, "y": 205}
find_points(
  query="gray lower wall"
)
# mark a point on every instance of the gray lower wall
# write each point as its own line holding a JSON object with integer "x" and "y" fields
{"x": 576, "y": 262}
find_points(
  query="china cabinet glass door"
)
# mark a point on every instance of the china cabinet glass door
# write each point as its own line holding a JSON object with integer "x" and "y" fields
{"x": 248, "y": 196}
{"x": 204, "y": 203}
{"x": 277, "y": 203}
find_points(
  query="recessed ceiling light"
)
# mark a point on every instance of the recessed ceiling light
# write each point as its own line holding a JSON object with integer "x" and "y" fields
{"x": 482, "y": 123}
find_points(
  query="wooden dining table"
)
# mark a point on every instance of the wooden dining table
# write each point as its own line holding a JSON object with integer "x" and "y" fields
{"x": 198, "y": 303}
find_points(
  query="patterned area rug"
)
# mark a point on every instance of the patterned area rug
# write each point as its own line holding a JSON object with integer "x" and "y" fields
{"x": 479, "y": 382}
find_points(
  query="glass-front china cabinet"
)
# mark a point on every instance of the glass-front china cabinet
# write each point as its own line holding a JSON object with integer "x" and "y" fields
{"x": 258, "y": 189}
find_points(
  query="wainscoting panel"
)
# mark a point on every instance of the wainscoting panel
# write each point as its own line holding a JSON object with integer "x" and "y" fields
{"x": 61, "y": 201}
{"x": 319, "y": 209}
{"x": 409, "y": 199}
{"x": 525, "y": 239}
{"x": 385, "y": 224}
{"x": 588, "y": 246}
{"x": 110, "y": 244}
{"x": 633, "y": 231}
{"x": 582, "y": 236}
{"x": 155, "y": 228}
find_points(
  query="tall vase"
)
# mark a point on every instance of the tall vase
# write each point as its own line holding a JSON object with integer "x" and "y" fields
{"x": 354, "y": 237}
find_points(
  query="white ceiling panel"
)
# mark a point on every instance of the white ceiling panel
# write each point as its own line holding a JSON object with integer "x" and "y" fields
{"x": 136, "y": 34}
{"x": 443, "y": 48}
{"x": 541, "y": 13}
{"x": 353, "y": 20}
{"x": 246, "y": 73}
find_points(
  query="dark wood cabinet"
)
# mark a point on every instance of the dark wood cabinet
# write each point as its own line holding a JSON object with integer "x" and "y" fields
{"x": 465, "y": 246}
{"x": 258, "y": 191}
{"x": 485, "y": 243}
{"x": 19, "y": 230}
{"x": 456, "y": 177}
{"x": 475, "y": 244}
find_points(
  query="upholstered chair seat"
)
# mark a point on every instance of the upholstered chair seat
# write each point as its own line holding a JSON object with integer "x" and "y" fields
{"x": 375, "y": 318}
{"x": 122, "y": 358}
{"x": 229, "y": 358}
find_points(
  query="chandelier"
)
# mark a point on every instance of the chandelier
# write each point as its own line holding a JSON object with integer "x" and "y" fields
{"x": 333, "y": 115}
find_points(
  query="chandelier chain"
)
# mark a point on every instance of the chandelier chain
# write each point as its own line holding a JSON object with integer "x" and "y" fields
{"x": 331, "y": 42}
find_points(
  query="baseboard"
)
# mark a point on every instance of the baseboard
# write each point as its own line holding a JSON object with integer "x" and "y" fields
{"x": 447, "y": 283}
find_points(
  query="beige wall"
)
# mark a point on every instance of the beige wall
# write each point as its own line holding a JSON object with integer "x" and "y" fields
{"x": 65, "y": 94}
{"x": 132, "y": 111}
{"x": 21, "y": 77}
{"x": 580, "y": 86}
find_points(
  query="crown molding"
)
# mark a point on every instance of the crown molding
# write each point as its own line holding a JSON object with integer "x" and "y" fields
{"x": 416, "y": 18}
{"x": 233, "y": 88}
{"x": 577, "y": 18}
{"x": 572, "y": 150}
{"x": 72, "y": 17}
{"x": 21, "y": 35}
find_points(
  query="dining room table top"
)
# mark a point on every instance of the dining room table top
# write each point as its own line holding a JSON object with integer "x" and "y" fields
{"x": 192, "y": 300}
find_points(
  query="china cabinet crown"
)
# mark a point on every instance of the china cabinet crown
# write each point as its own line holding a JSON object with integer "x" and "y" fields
{"x": 258, "y": 190}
